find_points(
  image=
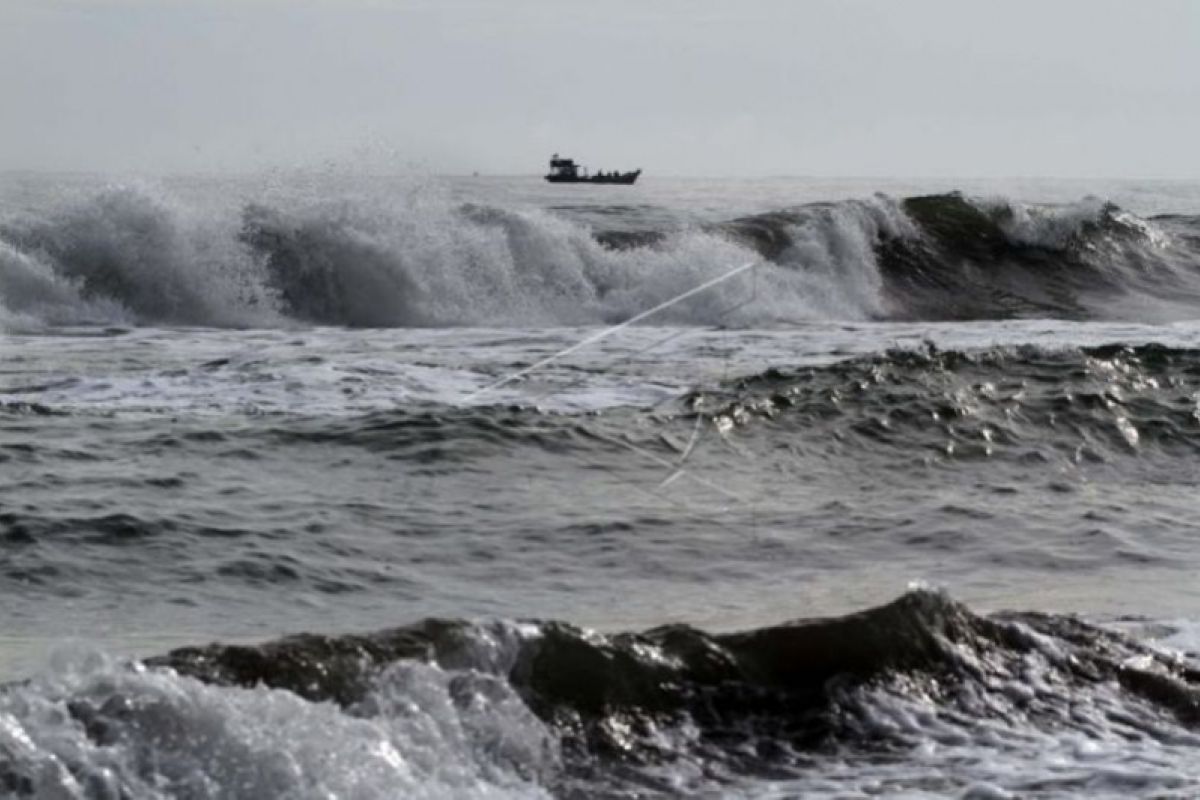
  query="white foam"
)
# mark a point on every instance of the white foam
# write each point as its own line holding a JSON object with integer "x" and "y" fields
{"x": 424, "y": 733}
{"x": 834, "y": 250}
{"x": 33, "y": 295}
{"x": 131, "y": 254}
{"x": 138, "y": 254}
{"x": 1049, "y": 226}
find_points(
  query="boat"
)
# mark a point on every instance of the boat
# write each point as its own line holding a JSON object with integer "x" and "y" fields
{"x": 565, "y": 170}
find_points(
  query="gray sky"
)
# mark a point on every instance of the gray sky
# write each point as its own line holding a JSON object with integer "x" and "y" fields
{"x": 956, "y": 88}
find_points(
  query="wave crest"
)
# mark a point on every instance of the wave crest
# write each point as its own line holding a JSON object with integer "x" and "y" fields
{"x": 131, "y": 255}
{"x": 452, "y": 708}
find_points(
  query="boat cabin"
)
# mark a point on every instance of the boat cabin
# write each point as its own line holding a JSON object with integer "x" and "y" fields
{"x": 564, "y": 168}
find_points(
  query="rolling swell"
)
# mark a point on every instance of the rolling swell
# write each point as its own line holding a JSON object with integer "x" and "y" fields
{"x": 1024, "y": 405}
{"x": 591, "y": 714}
{"x": 131, "y": 255}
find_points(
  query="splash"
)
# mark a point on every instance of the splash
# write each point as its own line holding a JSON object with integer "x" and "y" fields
{"x": 137, "y": 256}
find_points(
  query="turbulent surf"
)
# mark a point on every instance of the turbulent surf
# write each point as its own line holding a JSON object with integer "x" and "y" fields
{"x": 138, "y": 256}
{"x": 546, "y": 708}
{"x": 333, "y": 486}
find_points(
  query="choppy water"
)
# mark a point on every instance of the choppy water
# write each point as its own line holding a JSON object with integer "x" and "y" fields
{"x": 954, "y": 434}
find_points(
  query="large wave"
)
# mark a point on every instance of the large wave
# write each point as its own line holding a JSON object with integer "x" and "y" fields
{"x": 133, "y": 256}
{"x": 126, "y": 255}
{"x": 920, "y": 695}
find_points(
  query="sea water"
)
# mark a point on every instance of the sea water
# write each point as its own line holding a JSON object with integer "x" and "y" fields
{"x": 342, "y": 486}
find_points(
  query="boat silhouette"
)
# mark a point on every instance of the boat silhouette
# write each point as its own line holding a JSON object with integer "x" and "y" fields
{"x": 565, "y": 170}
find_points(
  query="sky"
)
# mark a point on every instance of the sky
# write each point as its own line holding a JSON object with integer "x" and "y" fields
{"x": 920, "y": 88}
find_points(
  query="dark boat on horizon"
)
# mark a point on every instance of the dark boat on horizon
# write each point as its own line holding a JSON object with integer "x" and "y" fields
{"x": 565, "y": 170}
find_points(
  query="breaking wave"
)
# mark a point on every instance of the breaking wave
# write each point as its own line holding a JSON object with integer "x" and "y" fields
{"x": 920, "y": 695}
{"x": 127, "y": 256}
{"x": 132, "y": 256}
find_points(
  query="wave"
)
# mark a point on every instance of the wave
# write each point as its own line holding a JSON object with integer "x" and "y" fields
{"x": 128, "y": 256}
{"x": 958, "y": 258}
{"x": 133, "y": 256}
{"x": 1022, "y": 404}
{"x": 999, "y": 259}
{"x": 470, "y": 264}
{"x": 895, "y": 694}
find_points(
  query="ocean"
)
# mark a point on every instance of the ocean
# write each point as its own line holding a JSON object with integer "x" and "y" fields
{"x": 322, "y": 485}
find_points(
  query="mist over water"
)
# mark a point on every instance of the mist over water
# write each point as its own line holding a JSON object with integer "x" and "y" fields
{"x": 905, "y": 509}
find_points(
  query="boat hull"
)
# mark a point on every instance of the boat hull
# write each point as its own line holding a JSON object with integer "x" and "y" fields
{"x": 624, "y": 179}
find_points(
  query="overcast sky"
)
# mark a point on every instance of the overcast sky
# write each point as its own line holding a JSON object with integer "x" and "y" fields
{"x": 955, "y": 88}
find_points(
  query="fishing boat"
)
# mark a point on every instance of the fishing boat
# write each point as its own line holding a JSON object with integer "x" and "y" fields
{"x": 565, "y": 170}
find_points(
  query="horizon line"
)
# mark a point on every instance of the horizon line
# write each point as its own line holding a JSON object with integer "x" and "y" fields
{"x": 353, "y": 172}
